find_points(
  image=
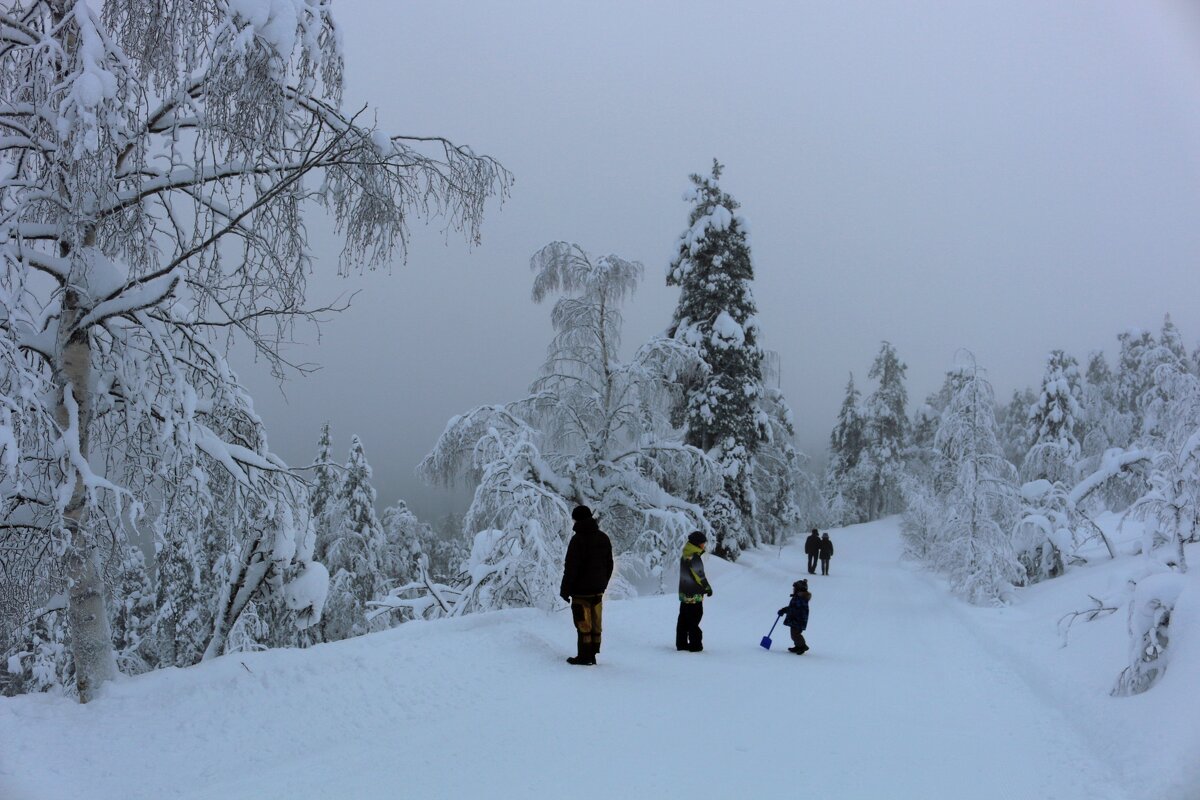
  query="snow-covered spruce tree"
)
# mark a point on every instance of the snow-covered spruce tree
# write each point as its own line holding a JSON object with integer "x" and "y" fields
{"x": 446, "y": 548}
{"x": 974, "y": 548}
{"x": 132, "y": 607}
{"x": 716, "y": 315}
{"x": 1134, "y": 377}
{"x": 885, "y": 431}
{"x": 185, "y": 583}
{"x": 845, "y": 486}
{"x": 1053, "y": 423}
{"x": 1098, "y": 401}
{"x": 324, "y": 484}
{"x": 406, "y": 539}
{"x": 155, "y": 167}
{"x": 1105, "y": 428}
{"x": 928, "y": 475}
{"x": 1044, "y": 538}
{"x": 594, "y": 430}
{"x": 1161, "y": 363}
{"x": 1171, "y": 339}
{"x": 1171, "y": 506}
{"x": 778, "y": 466}
{"x": 1012, "y": 421}
{"x": 407, "y": 564}
{"x": 356, "y": 551}
{"x": 37, "y": 658}
{"x": 327, "y": 479}
{"x": 920, "y": 454}
{"x": 1045, "y": 534}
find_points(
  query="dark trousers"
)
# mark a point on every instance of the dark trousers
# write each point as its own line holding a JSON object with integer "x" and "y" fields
{"x": 798, "y": 639}
{"x": 587, "y": 612}
{"x": 688, "y": 635}
{"x": 824, "y": 566}
{"x": 812, "y": 564}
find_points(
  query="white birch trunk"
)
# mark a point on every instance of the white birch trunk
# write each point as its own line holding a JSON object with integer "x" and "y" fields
{"x": 91, "y": 638}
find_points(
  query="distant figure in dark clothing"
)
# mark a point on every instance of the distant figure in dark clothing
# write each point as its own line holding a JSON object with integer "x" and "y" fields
{"x": 825, "y": 551}
{"x": 693, "y": 588}
{"x": 589, "y": 565}
{"x": 812, "y": 546}
{"x": 797, "y": 616}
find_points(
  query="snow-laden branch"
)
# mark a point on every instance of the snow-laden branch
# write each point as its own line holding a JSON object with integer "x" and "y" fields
{"x": 1113, "y": 463}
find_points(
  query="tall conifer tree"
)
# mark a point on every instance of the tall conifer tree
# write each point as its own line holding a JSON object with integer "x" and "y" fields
{"x": 886, "y": 431}
{"x": 1053, "y": 422}
{"x": 327, "y": 480}
{"x": 355, "y": 551}
{"x": 844, "y": 493}
{"x": 716, "y": 314}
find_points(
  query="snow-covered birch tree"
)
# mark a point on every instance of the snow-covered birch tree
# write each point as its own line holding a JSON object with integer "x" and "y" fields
{"x": 974, "y": 547}
{"x": 595, "y": 430}
{"x": 156, "y": 161}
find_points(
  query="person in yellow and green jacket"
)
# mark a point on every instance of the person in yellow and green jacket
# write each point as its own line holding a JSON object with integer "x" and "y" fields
{"x": 693, "y": 588}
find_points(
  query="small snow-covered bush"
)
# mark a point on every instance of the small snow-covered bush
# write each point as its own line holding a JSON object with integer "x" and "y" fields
{"x": 1149, "y": 628}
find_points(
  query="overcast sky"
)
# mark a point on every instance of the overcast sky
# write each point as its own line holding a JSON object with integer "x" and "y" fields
{"x": 1008, "y": 177}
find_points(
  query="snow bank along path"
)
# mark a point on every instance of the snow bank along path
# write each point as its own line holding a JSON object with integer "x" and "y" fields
{"x": 897, "y": 699}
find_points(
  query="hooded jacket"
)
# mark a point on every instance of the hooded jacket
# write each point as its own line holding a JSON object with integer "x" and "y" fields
{"x": 812, "y": 545}
{"x": 589, "y": 563}
{"x": 693, "y": 584}
{"x": 825, "y": 549}
{"x": 797, "y": 611}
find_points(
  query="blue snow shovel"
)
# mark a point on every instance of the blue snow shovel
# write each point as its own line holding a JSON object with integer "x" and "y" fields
{"x": 766, "y": 640}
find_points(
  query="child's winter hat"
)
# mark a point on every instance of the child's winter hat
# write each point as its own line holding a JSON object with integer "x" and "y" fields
{"x": 581, "y": 512}
{"x": 697, "y": 538}
{"x": 800, "y": 586}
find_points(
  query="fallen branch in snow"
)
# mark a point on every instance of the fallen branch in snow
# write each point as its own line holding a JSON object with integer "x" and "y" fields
{"x": 434, "y": 594}
{"x": 1097, "y": 532}
{"x": 1097, "y": 610}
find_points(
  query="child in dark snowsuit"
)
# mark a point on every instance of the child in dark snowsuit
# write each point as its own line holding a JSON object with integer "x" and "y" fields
{"x": 797, "y": 616}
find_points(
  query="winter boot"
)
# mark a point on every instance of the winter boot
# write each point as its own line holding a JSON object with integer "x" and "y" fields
{"x": 586, "y": 657}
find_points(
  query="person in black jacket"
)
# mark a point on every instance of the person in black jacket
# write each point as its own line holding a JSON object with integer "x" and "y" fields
{"x": 825, "y": 551}
{"x": 693, "y": 588}
{"x": 812, "y": 546}
{"x": 797, "y": 616}
{"x": 586, "y": 571}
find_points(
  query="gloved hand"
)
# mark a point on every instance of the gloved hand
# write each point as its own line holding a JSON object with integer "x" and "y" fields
{"x": 566, "y": 597}
{"x": 781, "y": 612}
{"x": 708, "y": 591}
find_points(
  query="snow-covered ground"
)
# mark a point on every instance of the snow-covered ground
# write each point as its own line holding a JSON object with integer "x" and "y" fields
{"x": 906, "y": 693}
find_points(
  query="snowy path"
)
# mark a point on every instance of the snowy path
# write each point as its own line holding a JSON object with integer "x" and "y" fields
{"x": 897, "y": 699}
